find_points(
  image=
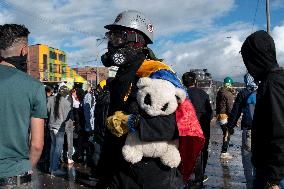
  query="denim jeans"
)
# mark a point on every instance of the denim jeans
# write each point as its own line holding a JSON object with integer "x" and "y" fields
{"x": 246, "y": 157}
{"x": 69, "y": 135}
{"x": 57, "y": 141}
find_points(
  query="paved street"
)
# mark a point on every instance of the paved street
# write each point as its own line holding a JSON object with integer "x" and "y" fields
{"x": 225, "y": 175}
{"x": 222, "y": 175}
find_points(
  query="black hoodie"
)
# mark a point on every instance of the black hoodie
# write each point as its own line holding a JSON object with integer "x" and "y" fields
{"x": 259, "y": 56}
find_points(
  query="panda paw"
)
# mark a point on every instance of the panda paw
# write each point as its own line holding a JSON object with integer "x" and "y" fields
{"x": 131, "y": 155}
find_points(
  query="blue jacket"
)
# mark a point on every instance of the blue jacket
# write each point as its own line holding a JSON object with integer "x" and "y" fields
{"x": 244, "y": 103}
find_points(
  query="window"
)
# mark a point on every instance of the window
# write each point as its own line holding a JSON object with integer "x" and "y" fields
{"x": 50, "y": 67}
{"x": 62, "y": 57}
{"x": 54, "y": 68}
{"x": 44, "y": 57}
{"x": 63, "y": 70}
{"x": 52, "y": 55}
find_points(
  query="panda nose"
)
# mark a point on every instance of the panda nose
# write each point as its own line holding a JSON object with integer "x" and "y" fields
{"x": 147, "y": 99}
{"x": 165, "y": 107}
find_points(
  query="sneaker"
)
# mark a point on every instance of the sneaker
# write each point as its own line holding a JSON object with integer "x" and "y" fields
{"x": 205, "y": 178}
{"x": 226, "y": 155}
{"x": 57, "y": 173}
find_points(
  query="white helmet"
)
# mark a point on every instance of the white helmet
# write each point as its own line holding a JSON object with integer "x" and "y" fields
{"x": 134, "y": 20}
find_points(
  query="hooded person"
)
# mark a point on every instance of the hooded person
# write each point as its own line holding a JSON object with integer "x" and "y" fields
{"x": 128, "y": 38}
{"x": 259, "y": 56}
{"x": 245, "y": 104}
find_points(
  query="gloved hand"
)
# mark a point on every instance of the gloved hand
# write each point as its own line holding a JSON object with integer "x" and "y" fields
{"x": 117, "y": 123}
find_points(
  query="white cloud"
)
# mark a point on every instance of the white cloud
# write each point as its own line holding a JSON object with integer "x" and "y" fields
{"x": 278, "y": 35}
{"x": 170, "y": 17}
{"x": 218, "y": 51}
{"x": 5, "y": 17}
{"x": 74, "y": 26}
{"x": 89, "y": 17}
{"x": 69, "y": 24}
{"x": 277, "y": 4}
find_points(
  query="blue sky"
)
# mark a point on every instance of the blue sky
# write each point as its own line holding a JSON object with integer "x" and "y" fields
{"x": 188, "y": 33}
{"x": 245, "y": 10}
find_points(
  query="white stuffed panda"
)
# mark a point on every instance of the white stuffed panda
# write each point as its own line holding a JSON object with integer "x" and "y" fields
{"x": 156, "y": 97}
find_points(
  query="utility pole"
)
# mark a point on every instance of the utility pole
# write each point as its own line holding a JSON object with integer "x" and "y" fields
{"x": 267, "y": 17}
{"x": 97, "y": 77}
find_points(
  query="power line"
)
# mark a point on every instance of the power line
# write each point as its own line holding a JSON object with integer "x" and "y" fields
{"x": 256, "y": 9}
{"x": 38, "y": 18}
{"x": 45, "y": 20}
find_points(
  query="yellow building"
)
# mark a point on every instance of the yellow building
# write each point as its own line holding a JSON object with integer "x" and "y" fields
{"x": 50, "y": 65}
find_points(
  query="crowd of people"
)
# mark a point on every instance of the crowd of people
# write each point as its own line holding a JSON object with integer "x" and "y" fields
{"x": 144, "y": 128}
{"x": 70, "y": 126}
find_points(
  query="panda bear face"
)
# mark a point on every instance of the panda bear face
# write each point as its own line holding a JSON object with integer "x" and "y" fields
{"x": 158, "y": 97}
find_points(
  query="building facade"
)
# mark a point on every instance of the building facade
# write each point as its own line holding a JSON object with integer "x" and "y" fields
{"x": 93, "y": 74}
{"x": 49, "y": 64}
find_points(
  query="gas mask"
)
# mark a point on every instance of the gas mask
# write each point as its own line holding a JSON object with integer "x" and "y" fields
{"x": 119, "y": 57}
{"x": 119, "y": 53}
{"x": 20, "y": 62}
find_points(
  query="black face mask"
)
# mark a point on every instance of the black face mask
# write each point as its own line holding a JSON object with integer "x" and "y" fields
{"x": 121, "y": 56}
{"x": 65, "y": 93}
{"x": 20, "y": 62}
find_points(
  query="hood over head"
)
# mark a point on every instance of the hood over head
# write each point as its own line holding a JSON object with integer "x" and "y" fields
{"x": 259, "y": 54}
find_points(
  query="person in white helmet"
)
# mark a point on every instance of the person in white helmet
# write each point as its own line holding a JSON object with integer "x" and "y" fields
{"x": 128, "y": 38}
